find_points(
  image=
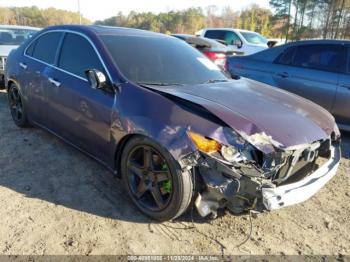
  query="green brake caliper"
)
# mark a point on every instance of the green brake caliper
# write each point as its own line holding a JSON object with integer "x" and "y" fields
{"x": 166, "y": 185}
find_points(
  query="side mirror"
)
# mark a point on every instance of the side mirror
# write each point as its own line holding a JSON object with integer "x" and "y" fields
{"x": 96, "y": 78}
{"x": 238, "y": 43}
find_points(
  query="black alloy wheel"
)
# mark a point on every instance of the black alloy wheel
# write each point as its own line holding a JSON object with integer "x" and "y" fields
{"x": 149, "y": 178}
{"x": 16, "y": 106}
{"x": 154, "y": 180}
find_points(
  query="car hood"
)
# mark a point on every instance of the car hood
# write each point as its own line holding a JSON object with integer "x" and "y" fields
{"x": 261, "y": 114}
{"x": 6, "y": 49}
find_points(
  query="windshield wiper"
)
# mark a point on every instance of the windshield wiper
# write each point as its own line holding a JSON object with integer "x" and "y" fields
{"x": 159, "y": 84}
{"x": 211, "y": 81}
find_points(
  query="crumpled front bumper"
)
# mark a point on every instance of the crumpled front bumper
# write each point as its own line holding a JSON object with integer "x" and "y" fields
{"x": 300, "y": 191}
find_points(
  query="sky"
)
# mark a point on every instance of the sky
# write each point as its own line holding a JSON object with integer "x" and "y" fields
{"x": 101, "y": 9}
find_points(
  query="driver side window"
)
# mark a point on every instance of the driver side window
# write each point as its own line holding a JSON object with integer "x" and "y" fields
{"x": 231, "y": 37}
{"x": 77, "y": 55}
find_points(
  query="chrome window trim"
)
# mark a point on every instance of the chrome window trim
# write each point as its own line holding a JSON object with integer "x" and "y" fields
{"x": 60, "y": 69}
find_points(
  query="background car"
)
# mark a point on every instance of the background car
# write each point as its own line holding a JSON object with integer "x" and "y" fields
{"x": 214, "y": 50}
{"x": 242, "y": 42}
{"x": 10, "y": 38}
{"x": 271, "y": 42}
{"x": 318, "y": 70}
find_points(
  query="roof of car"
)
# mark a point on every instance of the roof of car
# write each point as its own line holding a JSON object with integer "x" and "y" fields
{"x": 107, "y": 30}
{"x": 19, "y": 27}
{"x": 319, "y": 41}
{"x": 228, "y": 29}
{"x": 185, "y": 35}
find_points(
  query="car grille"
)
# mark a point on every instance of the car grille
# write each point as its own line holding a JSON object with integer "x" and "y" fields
{"x": 304, "y": 165}
{"x": 2, "y": 62}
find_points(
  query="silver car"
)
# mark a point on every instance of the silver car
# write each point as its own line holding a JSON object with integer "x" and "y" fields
{"x": 11, "y": 36}
{"x": 318, "y": 70}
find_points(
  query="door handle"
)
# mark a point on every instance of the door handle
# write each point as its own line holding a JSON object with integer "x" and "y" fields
{"x": 283, "y": 74}
{"x": 23, "y": 65}
{"x": 55, "y": 82}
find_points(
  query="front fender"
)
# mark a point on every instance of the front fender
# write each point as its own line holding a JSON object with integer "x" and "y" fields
{"x": 145, "y": 112}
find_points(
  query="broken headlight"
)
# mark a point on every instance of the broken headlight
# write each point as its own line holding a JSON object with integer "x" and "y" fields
{"x": 210, "y": 146}
{"x": 229, "y": 153}
{"x": 204, "y": 144}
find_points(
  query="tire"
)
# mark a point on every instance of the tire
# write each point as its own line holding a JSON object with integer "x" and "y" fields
{"x": 2, "y": 82}
{"x": 175, "y": 199}
{"x": 18, "y": 112}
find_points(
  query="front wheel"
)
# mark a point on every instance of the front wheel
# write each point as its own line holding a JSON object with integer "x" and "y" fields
{"x": 154, "y": 180}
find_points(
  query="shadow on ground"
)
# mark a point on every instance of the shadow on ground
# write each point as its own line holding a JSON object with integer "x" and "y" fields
{"x": 38, "y": 165}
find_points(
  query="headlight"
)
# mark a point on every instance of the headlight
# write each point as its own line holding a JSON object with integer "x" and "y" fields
{"x": 207, "y": 145}
{"x": 229, "y": 153}
{"x": 204, "y": 144}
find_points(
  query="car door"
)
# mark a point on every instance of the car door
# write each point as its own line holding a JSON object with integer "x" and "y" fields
{"x": 79, "y": 113}
{"x": 311, "y": 71}
{"x": 35, "y": 67}
{"x": 341, "y": 106}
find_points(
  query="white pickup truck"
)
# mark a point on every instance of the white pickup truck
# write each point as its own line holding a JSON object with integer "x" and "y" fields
{"x": 11, "y": 36}
{"x": 241, "y": 42}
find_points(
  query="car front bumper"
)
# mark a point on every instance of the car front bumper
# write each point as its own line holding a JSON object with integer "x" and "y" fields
{"x": 302, "y": 190}
{"x": 244, "y": 193}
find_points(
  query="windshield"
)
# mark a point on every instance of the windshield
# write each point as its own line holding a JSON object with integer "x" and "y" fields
{"x": 254, "y": 38}
{"x": 161, "y": 60}
{"x": 15, "y": 36}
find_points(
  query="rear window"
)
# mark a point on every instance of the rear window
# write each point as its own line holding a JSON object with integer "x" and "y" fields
{"x": 224, "y": 35}
{"x": 45, "y": 47}
{"x": 160, "y": 60}
{"x": 319, "y": 57}
{"x": 15, "y": 36}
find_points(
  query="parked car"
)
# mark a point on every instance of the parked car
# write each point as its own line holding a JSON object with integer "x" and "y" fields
{"x": 242, "y": 42}
{"x": 272, "y": 42}
{"x": 169, "y": 122}
{"x": 11, "y": 37}
{"x": 318, "y": 70}
{"x": 215, "y": 51}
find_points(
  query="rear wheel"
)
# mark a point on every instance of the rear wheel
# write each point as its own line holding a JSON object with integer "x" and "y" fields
{"x": 154, "y": 180}
{"x": 18, "y": 112}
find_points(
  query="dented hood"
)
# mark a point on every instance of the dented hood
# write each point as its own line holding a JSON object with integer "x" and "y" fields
{"x": 258, "y": 111}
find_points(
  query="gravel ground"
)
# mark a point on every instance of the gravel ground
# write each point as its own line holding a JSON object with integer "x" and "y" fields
{"x": 55, "y": 200}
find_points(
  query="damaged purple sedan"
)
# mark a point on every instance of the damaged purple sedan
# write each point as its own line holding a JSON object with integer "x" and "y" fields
{"x": 165, "y": 119}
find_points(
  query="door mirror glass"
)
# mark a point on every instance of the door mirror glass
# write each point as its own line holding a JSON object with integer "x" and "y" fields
{"x": 96, "y": 78}
{"x": 238, "y": 43}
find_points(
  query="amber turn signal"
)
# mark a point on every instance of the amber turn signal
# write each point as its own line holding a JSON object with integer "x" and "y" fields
{"x": 204, "y": 144}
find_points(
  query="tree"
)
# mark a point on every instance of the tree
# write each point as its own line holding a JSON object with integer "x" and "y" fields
{"x": 283, "y": 10}
{"x": 33, "y": 16}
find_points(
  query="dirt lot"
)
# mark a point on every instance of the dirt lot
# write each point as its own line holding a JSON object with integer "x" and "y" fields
{"x": 55, "y": 200}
